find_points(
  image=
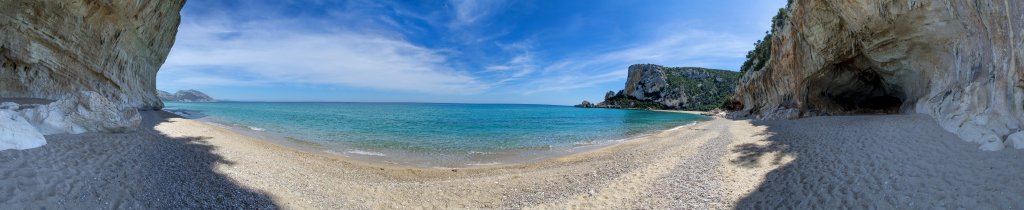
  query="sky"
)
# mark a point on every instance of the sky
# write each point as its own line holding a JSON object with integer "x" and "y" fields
{"x": 458, "y": 51}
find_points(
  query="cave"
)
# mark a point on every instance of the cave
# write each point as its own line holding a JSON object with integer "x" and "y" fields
{"x": 854, "y": 86}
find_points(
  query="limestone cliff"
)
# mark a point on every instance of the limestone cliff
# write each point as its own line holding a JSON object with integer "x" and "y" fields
{"x": 69, "y": 67}
{"x": 650, "y": 86}
{"x": 958, "y": 61}
{"x": 54, "y": 49}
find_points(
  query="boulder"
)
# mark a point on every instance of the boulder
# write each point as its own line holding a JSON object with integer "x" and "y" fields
{"x": 1016, "y": 140}
{"x": 9, "y": 105}
{"x": 86, "y": 112}
{"x": 16, "y": 133}
{"x": 991, "y": 143}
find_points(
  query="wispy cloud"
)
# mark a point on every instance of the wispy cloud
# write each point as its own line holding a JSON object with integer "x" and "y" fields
{"x": 468, "y": 12}
{"x": 482, "y": 49}
{"x": 571, "y": 81}
{"x": 200, "y": 79}
{"x": 279, "y": 52}
{"x": 686, "y": 48}
{"x": 519, "y": 64}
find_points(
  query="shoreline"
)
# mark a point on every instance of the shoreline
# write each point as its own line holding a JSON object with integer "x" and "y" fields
{"x": 701, "y": 113}
{"x": 412, "y": 159}
{"x": 907, "y": 161}
{"x": 621, "y": 156}
{"x": 394, "y": 158}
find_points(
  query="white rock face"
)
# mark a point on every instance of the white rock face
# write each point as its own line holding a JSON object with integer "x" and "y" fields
{"x": 1016, "y": 140}
{"x": 98, "y": 59}
{"x": 16, "y": 133}
{"x": 53, "y": 49}
{"x": 9, "y": 105}
{"x": 85, "y": 112}
{"x": 991, "y": 143}
{"x": 961, "y": 62}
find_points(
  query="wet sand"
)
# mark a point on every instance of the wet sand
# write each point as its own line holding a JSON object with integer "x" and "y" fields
{"x": 898, "y": 161}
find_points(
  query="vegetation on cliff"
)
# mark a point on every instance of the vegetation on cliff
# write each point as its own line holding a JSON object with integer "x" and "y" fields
{"x": 687, "y": 88}
{"x": 758, "y": 57}
{"x": 185, "y": 96}
{"x": 886, "y": 57}
{"x": 707, "y": 94}
{"x": 625, "y": 102}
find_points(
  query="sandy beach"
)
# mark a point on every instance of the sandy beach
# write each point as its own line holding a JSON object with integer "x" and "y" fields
{"x": 305, "y": 104}
{"x": 905, "y": 161}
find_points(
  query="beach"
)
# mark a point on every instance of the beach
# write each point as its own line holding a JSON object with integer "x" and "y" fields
{"x": 874, "y": 161}
{"x": 175, "y": 104}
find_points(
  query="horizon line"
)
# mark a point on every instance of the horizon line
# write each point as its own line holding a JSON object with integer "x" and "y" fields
{"x": 387, "y": 102}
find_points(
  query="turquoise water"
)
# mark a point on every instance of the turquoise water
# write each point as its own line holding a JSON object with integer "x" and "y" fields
{"x": 382, "y": 128}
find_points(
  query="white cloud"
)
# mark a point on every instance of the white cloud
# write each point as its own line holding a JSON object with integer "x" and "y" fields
{"x": 498, "y": 68}
{"x": 683, "y": 49}
{"x": 279, "y": 52}
{"x": 520, "y": 65}
{"x": 201, "y": 79}
{"x": 687, "y": 48}
{"x": 573, "y": 81}
{"x": 363, "y": 48}
{"x": 468, "y": 12}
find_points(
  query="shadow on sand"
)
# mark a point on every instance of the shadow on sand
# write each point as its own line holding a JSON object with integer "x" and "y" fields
{"x": 882, "y": 161}
{"x": 143, "y": 169}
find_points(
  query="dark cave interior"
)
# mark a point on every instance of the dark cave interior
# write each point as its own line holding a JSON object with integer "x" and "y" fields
{"x": 854, "y": 87}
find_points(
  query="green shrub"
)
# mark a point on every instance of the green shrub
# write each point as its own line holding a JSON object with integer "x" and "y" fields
{"x": 757, "y": 58}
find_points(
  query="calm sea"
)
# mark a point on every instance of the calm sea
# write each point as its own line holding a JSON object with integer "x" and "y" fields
{"x": 437, "y": 134}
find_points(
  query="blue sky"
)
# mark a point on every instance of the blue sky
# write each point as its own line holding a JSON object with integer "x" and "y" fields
{"x": 486, "y": 51}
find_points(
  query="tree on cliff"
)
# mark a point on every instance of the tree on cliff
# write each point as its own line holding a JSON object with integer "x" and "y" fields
{"x": 758, "y": 57}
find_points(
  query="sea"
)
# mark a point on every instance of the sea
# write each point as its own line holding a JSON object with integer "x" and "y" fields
{"x": 434, "y": 134}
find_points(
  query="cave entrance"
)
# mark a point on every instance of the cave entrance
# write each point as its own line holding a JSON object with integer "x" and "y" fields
{"x": 854, "y": 87}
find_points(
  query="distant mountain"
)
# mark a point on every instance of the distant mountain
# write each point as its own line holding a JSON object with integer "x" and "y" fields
{"x": 185, "y": 96}
{"x": 650, "y": 86}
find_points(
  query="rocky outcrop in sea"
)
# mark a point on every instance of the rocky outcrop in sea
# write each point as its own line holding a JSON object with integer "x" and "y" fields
{"x": 585, "y": 104}
{"x": 80, "y": 66}
{"x": 958, "y": 61}
{"x": 185, "y": 96}
{"x": 650, "y": 86}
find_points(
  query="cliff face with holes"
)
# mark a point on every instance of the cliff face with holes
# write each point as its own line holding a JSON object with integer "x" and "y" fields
{"x": 54, "y": 49}
{"x": 958, "y": 61}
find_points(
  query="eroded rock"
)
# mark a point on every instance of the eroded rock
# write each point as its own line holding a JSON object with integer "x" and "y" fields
{"x": 54, "y": 49}
{"x": 97, "y": 59}
{"x": 991, "y": 143}
{"x": 958, "y": 61}
{"x": 9, "y": 105}
{"x": 1016, "y": 140}
{"x": 585, "y": 104}
{"x": 85, "y": 112}
{"x": 16, "y": 133}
